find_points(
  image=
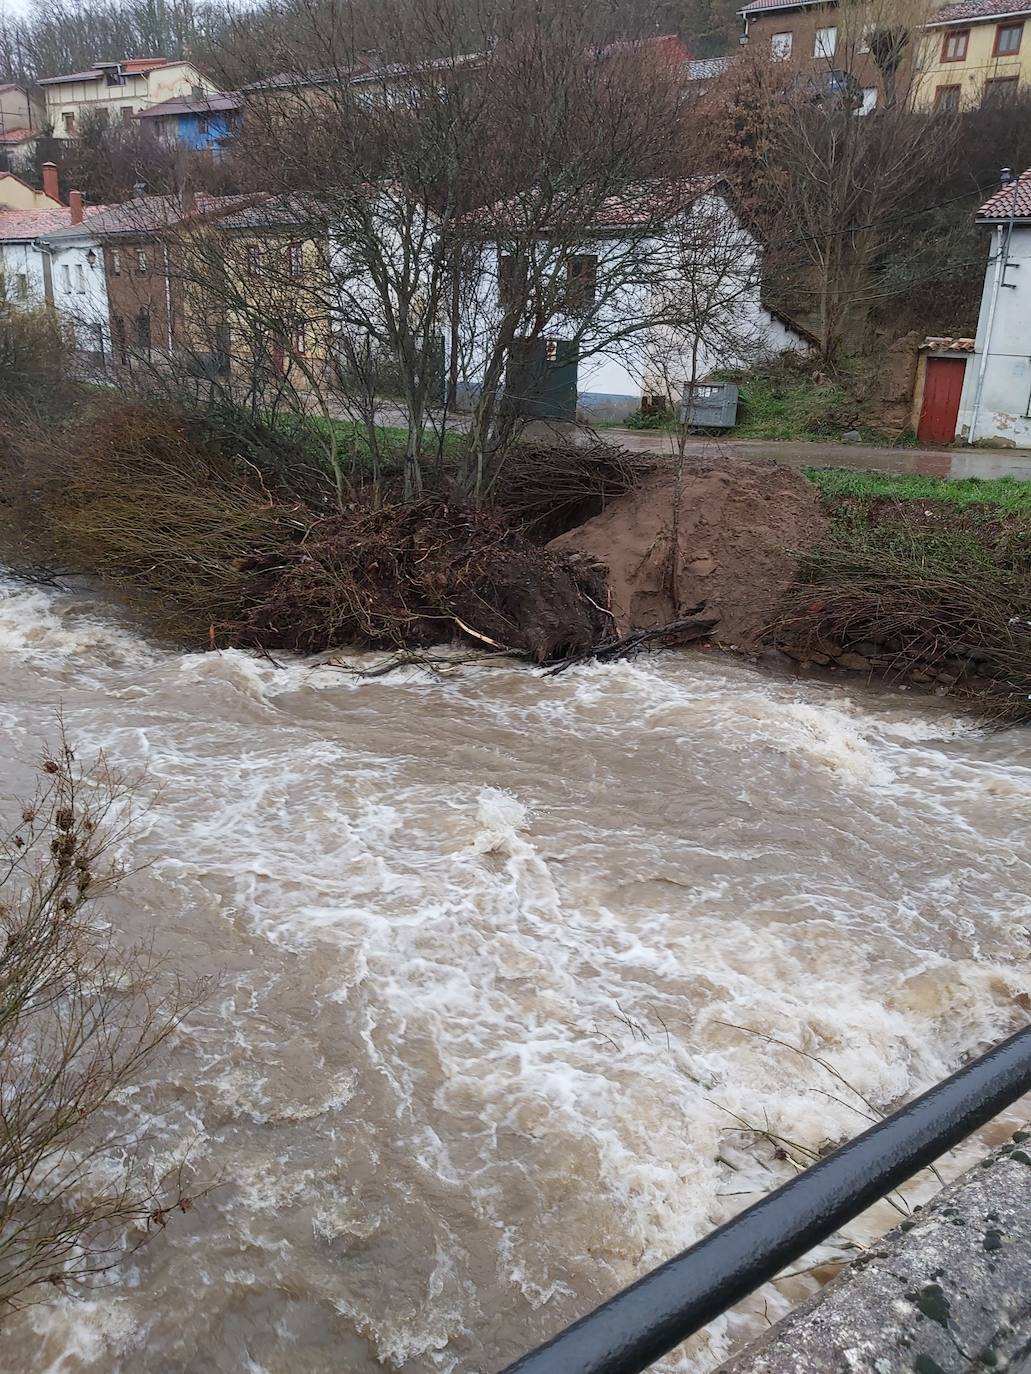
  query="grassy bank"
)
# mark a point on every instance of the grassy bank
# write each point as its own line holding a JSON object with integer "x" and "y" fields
{"x": 922, "y": 580}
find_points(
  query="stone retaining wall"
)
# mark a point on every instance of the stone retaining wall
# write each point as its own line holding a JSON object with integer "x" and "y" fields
{"x": 948, "y": 1290}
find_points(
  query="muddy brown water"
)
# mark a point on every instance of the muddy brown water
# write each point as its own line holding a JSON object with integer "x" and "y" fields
{"x": 484, "y": 943}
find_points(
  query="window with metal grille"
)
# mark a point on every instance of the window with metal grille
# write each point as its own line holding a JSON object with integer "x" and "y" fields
{"x": 780, "y": 45}
{"x": 295, "y": 259}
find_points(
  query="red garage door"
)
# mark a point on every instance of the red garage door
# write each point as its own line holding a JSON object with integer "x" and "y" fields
{"x": 942, "y": 389}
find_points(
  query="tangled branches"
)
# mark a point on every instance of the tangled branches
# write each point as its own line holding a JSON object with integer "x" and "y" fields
{"x": 548, "y": 490}
{"x": 79, "y": 1016}
{"x": 414, "y": 576}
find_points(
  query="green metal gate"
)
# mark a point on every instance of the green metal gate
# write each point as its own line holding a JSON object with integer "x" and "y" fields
{"x": 540, "y": 382}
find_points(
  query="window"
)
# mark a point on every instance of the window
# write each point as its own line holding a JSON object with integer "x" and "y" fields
{"x": 141, "y": 262}
{"x": 954, "y": 47}
{"x": 21, "y": 286}
{"x": 253, "y": 259}
{"x": 68, "y": 119}
{"x": 299, "y": 341}
{"x": 116, "y": 263}
{"x": 143, "y": 330}
{"x": 999, "y": 88}
{"x": 202, "y": 125}
{"x": 80, "y": 279}
{"x": 868, "y": 102}
{"x": 826, "y": 42}
{"x": 102, "y": 117}
{"x": 1007, "y": 40}
{"x": 126, "y": 116}
{"x": 295, "y": 259}
{"x": 946, "y": 99}
{"x": 780, "y": 45}
{"x": 581, "y": 281}
{"x": 196, "y": 92}
{"x": 66, "y": 277}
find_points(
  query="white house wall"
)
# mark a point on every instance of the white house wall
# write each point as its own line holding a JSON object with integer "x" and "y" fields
{"x": 613, "y": 375}
{"x": 1006, "y": 395}
{"x": 80, "y": 295}
{"x": 22, "y": 260}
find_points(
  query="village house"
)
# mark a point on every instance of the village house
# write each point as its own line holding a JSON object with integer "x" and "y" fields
{"x": 143, "y": 280}
{"x": 115, "y": 92}
{"x": 665, "y": 289}
{"x": 375, "y": 82}
{"x": 16, "y": 194}
{"x": 972, "y": 51}
{"x": 202, "y": 125}
{"x": 257, "y": 292}
{"x": 825, "y": 45}
{"x": 21, "y": 122}
{"x": 991, "y": 400}
{"x": 67, "y": 278}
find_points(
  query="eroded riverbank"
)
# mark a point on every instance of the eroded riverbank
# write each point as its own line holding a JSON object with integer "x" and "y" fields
{"x": 484, "y": 945}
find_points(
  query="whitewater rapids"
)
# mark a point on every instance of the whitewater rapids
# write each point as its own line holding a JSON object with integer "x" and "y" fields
{"x": 497, "y": 955}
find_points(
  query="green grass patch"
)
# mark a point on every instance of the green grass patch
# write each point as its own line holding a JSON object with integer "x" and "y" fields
{"x": 1006, "y": 494}
{"x": 794, "y": 408}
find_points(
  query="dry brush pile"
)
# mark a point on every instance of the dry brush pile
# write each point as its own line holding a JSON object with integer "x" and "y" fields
{"x": 217, "y": 546}
{"x": 925, "y": 593}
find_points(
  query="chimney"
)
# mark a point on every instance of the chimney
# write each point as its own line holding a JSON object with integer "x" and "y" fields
{"x": 51, "y": 185}
{"x": 75, "y": 205}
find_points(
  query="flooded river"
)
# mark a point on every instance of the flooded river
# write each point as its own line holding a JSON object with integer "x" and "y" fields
{"x": 498, "y": 953}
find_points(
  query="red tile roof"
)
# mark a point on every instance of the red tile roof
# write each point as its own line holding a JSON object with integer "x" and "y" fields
{"x": 34, "y": 224}
{"x": 1014, "y": 199}
{"x": 148, "y": 215}
{"x": 972, "y": 11}
{"x": 640, "y": 206}
{"x": 936, "y": 343}
{"x": 9, "y": 136}
{"x": 132, "y": 66}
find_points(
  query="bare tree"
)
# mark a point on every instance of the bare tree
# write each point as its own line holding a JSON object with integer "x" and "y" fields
{"x": 80, "y": 1014}
{"x": 422, "y": 177}
{"x": 841, "y": 162}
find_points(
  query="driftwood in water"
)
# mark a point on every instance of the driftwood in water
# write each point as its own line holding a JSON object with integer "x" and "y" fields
{"x": 693, "y": 626}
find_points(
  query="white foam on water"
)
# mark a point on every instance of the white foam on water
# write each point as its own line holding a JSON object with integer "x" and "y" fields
{"x": 507, "y": 958}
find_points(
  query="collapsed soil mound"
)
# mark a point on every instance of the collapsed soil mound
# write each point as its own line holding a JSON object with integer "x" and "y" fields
{"x": 414, "y": 576}
{"x": 727, "y": 534}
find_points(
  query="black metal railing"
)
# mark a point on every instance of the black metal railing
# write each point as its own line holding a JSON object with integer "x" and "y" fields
{"x": 644, "y": 1322}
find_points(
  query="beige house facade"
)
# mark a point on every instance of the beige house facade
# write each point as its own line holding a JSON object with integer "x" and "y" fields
{"x": 115, "y": 92}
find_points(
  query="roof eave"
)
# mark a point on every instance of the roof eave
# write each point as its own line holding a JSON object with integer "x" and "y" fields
{"x": 992, "y": 18}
